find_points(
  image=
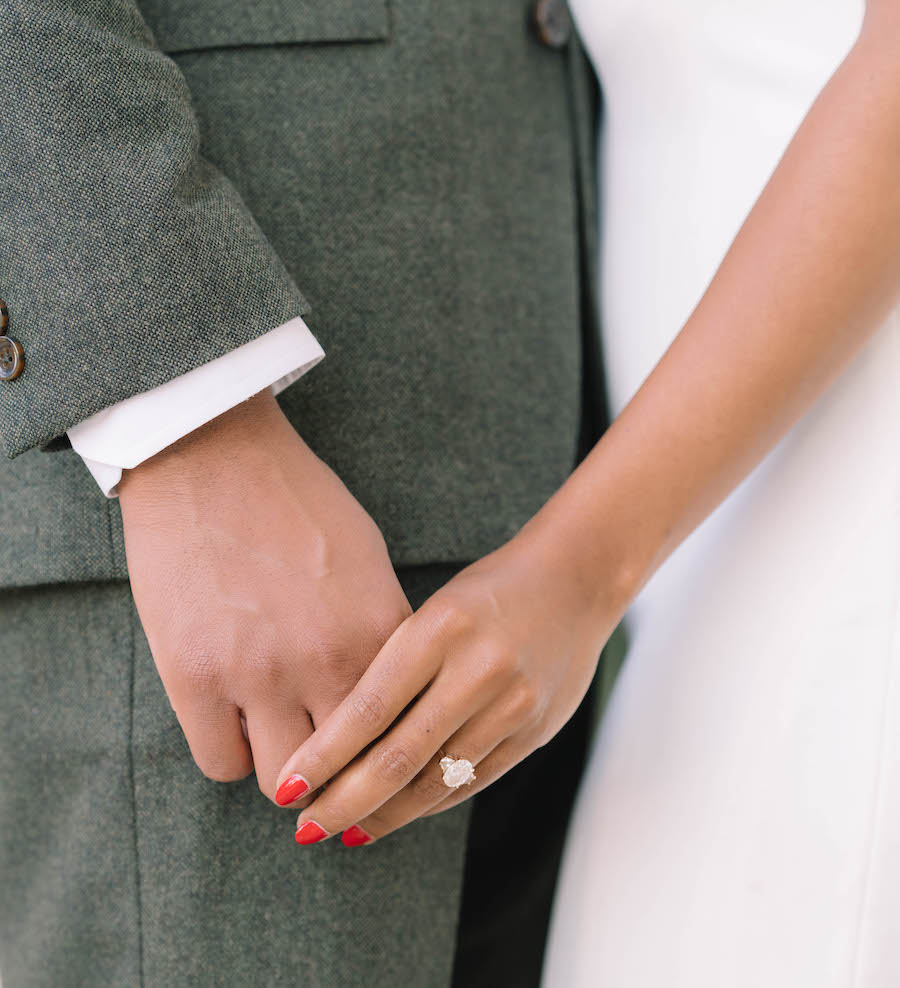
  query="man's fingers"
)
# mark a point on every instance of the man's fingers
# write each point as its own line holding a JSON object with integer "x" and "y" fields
{"x": 275, "y": 731}
{"x": 397, "y": 675}
{"x": 213, "y": 731}
{"x": 330, "y": 672}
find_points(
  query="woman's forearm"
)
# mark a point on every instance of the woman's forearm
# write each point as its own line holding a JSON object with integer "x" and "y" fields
{"x": 813, "y": 270}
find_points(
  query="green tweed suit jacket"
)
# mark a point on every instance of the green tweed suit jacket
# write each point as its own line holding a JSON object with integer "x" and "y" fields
{"x": 177, "y": 177}
{"x": 414, "y": 177}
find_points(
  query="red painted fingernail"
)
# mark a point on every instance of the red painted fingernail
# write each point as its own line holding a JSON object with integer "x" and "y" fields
{"x": 310, "y": 833}
{"x": 355, "y": 836}
{"x": 293, "y": 787}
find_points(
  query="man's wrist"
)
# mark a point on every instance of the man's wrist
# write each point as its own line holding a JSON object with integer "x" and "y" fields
{"x": 133, "y": 430}
{"x": 208, "y": 452}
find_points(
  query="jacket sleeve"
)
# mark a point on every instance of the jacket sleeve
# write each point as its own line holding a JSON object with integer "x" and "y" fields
{"x": 126, "y": 258}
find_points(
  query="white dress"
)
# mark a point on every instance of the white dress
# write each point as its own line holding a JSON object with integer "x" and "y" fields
{"x": 739, "y": 822}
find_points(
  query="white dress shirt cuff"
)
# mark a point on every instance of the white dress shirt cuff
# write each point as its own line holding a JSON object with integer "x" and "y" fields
{"x": 131, "y": 431}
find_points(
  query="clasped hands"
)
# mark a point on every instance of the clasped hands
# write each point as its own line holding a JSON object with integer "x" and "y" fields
{"x": 287, "y": 646}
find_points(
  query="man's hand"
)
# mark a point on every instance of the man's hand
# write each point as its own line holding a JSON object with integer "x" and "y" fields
{"x": 264, "y": 588}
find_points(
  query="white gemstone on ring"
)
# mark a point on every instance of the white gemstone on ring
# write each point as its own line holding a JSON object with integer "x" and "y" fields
{"x": 457, "y": 772}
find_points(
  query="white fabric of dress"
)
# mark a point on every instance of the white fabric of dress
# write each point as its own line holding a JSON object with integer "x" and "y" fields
{"x": 739, "y": 821}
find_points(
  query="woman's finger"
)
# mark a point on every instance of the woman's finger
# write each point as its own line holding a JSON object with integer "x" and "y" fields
{"x": 503, "y": 758}
{"x": 475, "y": 742}
{"x": 400, "y": 671}
{"x": 394, "y": 761}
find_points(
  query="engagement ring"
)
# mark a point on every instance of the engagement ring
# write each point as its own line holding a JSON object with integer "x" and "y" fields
{"x": 457, "y": 772}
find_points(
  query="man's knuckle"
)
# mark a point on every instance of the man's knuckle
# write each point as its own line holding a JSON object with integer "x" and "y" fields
{"x": 338, "y": 660}
{"x": 266, "y": 673}
{"x": 201, "y": 671}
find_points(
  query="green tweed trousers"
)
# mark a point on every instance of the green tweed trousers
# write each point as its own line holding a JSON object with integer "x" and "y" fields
{"x": 121, "y": 865}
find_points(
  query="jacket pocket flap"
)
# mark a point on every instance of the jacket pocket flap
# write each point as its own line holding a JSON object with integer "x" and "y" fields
{"x": 186, "y": 25}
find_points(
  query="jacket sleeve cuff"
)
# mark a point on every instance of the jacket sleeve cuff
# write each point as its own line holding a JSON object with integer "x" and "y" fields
{"x": 131, "y": 431}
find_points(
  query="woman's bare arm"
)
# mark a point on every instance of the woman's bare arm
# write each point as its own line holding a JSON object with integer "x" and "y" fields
{"x": 494, "y": 663}
{"x": 812, "y": 272}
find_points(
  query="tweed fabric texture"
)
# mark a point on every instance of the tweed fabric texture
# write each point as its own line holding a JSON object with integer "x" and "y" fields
{"x": 121, "y": 865}
{"x": 180, "y": 25}
{"x": 422, "y": 177}
{"x": 126, "y": 256}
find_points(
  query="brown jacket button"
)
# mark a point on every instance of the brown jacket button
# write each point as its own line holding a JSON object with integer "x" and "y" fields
{"x": 552, "y": 22}
{"x": 12, "y": 356}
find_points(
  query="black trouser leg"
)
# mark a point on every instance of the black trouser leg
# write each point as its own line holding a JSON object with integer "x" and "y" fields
{"x": 515, "y": 844}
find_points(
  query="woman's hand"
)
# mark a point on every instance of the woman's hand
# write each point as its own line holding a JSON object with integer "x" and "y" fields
{"x": 494, "y": 663}
{"x": 488, "y": 669}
